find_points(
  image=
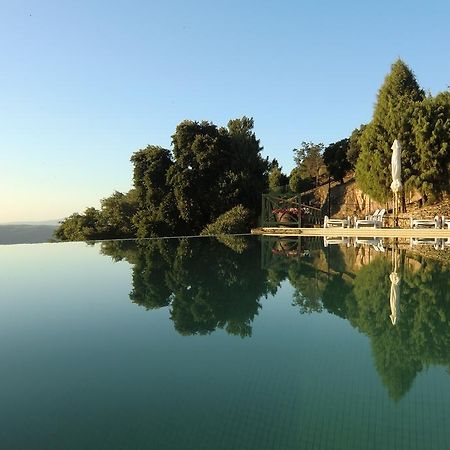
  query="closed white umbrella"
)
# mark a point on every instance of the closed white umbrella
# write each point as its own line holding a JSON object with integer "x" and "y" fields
{"x": 395, "y": 297}
{"x": 396, "y": 166}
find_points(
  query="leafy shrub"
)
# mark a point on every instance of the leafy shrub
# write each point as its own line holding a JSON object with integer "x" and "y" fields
{"x": 236, "y": 220}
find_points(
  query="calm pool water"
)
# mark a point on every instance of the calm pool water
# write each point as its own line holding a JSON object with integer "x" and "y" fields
{"x": 247, "y": 343}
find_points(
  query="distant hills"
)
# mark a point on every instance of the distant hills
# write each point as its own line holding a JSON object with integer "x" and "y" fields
{"x": 27, "y": 233}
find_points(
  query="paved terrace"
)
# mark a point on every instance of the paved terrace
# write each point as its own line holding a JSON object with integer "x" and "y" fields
{"x": 354, "y": 232}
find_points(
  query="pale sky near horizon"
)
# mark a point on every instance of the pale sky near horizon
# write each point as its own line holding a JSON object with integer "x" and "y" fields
{"x": 84, "y": 84}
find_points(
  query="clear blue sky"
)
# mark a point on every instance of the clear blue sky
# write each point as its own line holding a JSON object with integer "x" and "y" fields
{"x": 84, "y": 84}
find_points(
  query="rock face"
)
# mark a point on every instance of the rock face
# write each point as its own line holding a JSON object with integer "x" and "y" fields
{"x": 342, "y": 200}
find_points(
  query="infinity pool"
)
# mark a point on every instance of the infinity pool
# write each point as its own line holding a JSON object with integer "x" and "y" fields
{"x": 243, "y": 343}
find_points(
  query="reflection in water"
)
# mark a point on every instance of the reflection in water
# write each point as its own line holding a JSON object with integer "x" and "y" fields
{"x": 220, "y": 285}
{"x": 211, "y": 286}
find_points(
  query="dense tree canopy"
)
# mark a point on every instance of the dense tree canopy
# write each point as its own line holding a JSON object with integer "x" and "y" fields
{"x": 431, "y": 126}
{"x": 397, "y": 99}
{"x": 335, "y": 158}
{"x": 216, "y": 169}
{"x": 205, "y": 286}
{"x": 277, "y": 179}
{"x": 210, "y": 171}
{"x": 309, "y": 160}
{"x": 354, "y": 146}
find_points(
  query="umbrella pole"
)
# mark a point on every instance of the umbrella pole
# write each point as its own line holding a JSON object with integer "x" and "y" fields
{"x": 395, "y": 209}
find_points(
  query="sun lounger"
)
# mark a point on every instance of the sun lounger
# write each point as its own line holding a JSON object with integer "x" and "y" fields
{"x": 371, "y": 216}
{"x": 445, "y": 243}
{"x": 445, "y": 223}
{"x": 426, "y": 223}
{"x": 376, "y": 243}
{"x": 336, "y": 223}
{"x": 434, "y": 242}
{"x": 340, "y": 240}
{"x": 376, "y": 221}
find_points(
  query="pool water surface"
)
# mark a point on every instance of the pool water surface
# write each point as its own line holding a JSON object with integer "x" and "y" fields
{"x": 237, "y": 343}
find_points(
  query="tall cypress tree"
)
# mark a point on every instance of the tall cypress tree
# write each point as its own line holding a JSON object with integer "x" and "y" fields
{"x": 431, "y": 126}
{"x": 392, "y": 119}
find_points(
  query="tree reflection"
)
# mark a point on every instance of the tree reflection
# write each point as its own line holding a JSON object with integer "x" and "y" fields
{"x": 218, "y": 285}
{"x": 361, "y": 295}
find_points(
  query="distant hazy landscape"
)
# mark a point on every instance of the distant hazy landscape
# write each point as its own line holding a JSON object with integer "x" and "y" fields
{"x": 26, "y": 233}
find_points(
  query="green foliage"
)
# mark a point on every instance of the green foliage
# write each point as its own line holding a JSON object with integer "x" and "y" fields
{"x": 396, "y": 101}
{"x": 157, "y": 214}
{"x": 117, "y": 212}
{"x": 277, "y": 178}
{"x": 215, "y": 170}
{"x": 421, "y": 336}
{"x": 81, "y": 227}
{"x": 354, "y": 146}
{"x": 234, "y": 221}
{"x": 335, "y": 158}
{"x": 149, "y": 174}
{"x": 205, "y": 286}
{"x": 308, "y": 158}
{"x": 422, "y": 124}
{"x": 113, "y": 220}
{"x": 297, "y": 183}
{"x": 431, "y": 126}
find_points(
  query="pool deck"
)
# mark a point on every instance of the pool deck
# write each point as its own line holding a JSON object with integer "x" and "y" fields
{"x": 354, "y": 232}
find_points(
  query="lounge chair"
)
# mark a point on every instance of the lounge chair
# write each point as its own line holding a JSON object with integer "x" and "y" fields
{"x": 339, "y": 240}
{"x": 336, "y": 223}
{"x": 371, "y": 216}
{"x": 375, "y": 242}
{"x": 445, "y": 243}
{"x": 376, "y": 221}
{"x": 434, "y": 242}
{"x": 445, "y": 223}
{"x": 426, "y": 223}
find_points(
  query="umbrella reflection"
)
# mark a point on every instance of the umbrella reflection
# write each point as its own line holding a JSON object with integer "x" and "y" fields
{"x": 395, "y": 290}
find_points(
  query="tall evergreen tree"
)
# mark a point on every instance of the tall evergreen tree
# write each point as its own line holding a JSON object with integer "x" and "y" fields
{"x": 431, "y": 126}
{"x": 392, "y": 119}
{"x": 277, "y": 179}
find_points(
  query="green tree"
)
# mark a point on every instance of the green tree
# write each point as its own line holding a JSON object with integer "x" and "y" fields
{"x": 216, "y": 169}
{"x": 206, "y": 285}
{"x": 431, "y": 126}
{"x": 309, "y": 160}
{"x": 297, "y": 183}
{"x": 197, "y": 176}
{"x": 117, "y": 212}
{"x": 82, "y": 227}
{"x": 234, "y": 221}
{"x": 354, "y": 146}
{"x": 335, "y": 158}
{"x": 212, "y": 171}
{"x": 157, "y": 214}
{"x": 248, "y": 174}
{"x": 277, "y": 179}
{"x": 396, "y": 101}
